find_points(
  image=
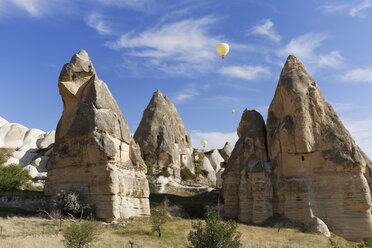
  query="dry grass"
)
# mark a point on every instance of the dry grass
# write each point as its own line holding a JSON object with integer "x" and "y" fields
{"x": 27, "y": 232}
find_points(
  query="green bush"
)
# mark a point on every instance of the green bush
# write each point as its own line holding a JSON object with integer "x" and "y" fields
{"x": 367, "y": 241}
{"x": 215, "y": 234}
{"x": 12, "y": 177}
{"x": 186, "y": 174}
{"x": 2, "y": 160}
{"x": 152, "y": 187}
{"x": 70, "y": 203}
{"x": 164, "y": 172}
{"x": 204, "y": 173}
{"x": 150, "y": 167}
{"x": 80, "y": 234}
{"x": 159, "y": 216}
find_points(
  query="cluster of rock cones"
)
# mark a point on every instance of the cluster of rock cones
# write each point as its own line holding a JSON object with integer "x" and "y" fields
{"x": 302, "y": 164}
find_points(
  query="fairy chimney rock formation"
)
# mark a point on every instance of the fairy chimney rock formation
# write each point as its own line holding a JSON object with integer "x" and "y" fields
{"x": 94, "y": 152}
{"x": 162, "y": 136}
{"x": 318, "y": 167}
{"x": 247, "y": 189}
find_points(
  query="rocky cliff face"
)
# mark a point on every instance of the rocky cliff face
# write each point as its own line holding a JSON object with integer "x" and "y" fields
{"x": 317, "y": 175}
{"x": 319, "y": 170}
{"x": 94, "y": 152}
{"x": 247, "y": 189}
{"x": 28, "y": 147}
{"x": 162, "y": 136}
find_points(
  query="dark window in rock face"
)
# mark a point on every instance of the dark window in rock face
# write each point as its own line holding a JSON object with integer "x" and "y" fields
{"x": 302, "y": 158}
{"x": 157, "y": 138}
{"x": 187, "y": 140}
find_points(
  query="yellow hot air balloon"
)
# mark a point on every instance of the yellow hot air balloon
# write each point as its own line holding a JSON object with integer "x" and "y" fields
{"x": 223, "y": 49}
{"x": 233, "y": 111}
{"x": 204, "y": 143}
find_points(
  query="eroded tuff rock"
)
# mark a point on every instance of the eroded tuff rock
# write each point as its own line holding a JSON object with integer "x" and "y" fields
{"x": 94, "y": 152}
{"x": 247, "y": 189}
{"x": 19, "y": 145}
{"x": 162, "y": 136}
{"x": 319, "y": 170}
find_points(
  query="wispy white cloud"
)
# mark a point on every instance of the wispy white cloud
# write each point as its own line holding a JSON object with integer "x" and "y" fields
{"x": 98, "y": 22}
{"x": 304, "y": 47}
{"x": 185, "y": 94}
{"x": 133, "y": 4}
{"x": 266, "y": 29}
{"x": 35, "y": 8}
{"x": 245, "y": 72}
{"x": 216, "y": 140}
{"x": 361, "y": 131}
{"x": 182, "y": 46}
{"x": 352, "y": 9}
{"x": 357, "y": 75}
{"x": 342, "y": 107}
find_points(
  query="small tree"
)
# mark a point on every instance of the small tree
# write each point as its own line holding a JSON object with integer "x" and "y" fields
{"x": 159, "y": 216}
{"x": 12, "y": 177}
{"x": 69, "y": 203}
{"x": 80, "y": 234}
{"x": 215, "y": 234}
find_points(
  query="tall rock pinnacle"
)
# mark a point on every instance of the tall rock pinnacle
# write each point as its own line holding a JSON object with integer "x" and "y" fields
{"x": 94, "y": 152}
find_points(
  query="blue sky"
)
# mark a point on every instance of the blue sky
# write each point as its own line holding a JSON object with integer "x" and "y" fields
{"x": 139, "y": 46}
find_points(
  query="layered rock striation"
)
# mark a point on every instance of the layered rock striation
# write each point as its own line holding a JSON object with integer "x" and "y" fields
{"x": 318, "y": 175}
{"x": 94, "y": 152}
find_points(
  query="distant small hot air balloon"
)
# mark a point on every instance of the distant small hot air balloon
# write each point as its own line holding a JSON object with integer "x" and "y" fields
{"x": 233, "y": 111}
{"x": 223, "y": 49}
{"x": 204, "y": 143}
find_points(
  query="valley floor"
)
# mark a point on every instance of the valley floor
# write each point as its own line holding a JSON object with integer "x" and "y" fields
{"x": 27, "y": 232}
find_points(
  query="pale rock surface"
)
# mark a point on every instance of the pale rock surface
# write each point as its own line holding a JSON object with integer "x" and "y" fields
{"x": 247, "y": 188}
{"x": 319, "y": 170}
{"x": 34, "y": 173}
{"x": 11, "y": 160}
{"x": 29, "y": 141}
{"x": 226, "y": 152}
{"x": 206, "y": 165}
{"x": 40, "y": 163}
{"x": 12, "y": 134}
{"x": 216, "y": 160}
{"x": 219, "y": 180}
{"x": 46, "y": 140}
{"x": 94, "y": 152}
{"x": 162, "y": 135}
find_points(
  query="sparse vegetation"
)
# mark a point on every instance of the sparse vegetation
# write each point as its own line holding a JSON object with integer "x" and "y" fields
{"x": 159, "y": 216}
{"x": 2, "y": 159}
{"x": 12, "y": 177}
{"x": 215, "y": 234}
{"x": 333, "y": 243}
{"x": 152, "y": 187}
{"x": 80, "y": 234}
{"x": 208, "y": 152}
{"x": 150, "y": 167}
{"x": 164, "y": 172}
{"x": 186, "y": 174}
{"x": 69, "y": 203}
{"x": 367, "y": 242}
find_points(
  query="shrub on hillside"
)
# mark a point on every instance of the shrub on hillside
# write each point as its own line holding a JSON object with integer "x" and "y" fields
{"x": 215, "y": 234}
{"x": 164, "y": 172}
{"x": 186, "y": 174}
{"x": 150, "y": 167}
{"x": 12, "y": 177}
{"x": 80, "y": 234}
{"x": 2, "y": 160}
{"x": 69, "y": 203}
